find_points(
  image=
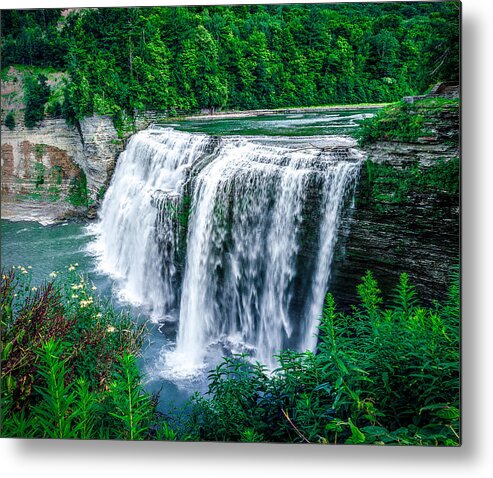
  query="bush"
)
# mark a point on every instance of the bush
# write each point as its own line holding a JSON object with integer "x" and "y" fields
{"x": 386, "y": 376}
{"x": 78, "y": 194}
{"x": 68, "y": 366}
{"x": 10, "y": 120}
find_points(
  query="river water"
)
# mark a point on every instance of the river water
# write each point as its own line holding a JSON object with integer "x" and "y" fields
{"x": 54, "y": 247}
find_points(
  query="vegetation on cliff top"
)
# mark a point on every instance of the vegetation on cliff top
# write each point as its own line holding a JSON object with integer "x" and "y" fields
{"x": 237, "y": 57}
{"x": 405, "y": 121}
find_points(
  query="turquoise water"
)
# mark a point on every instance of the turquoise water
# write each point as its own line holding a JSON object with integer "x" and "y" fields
{"x": 303, "y": 124}
{"x": 54, "y": 247}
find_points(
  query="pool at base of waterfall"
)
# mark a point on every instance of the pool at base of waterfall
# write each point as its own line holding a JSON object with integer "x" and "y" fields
{"x": 220, "y": 246}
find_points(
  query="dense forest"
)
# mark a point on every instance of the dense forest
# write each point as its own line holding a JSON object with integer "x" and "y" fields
{"x": 236, "y": 57}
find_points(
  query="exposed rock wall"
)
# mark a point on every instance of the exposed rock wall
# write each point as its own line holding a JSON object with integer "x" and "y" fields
{"x": 419, "y": 236}
{"x": 407, "y": 217}
{"x": 40, "y": 165}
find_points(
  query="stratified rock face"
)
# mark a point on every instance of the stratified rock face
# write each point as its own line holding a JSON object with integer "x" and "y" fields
{"x": 406, "y": 215}
{"x": 40, "y": 165}
{"x": 419, "y": 236}
{"x": 101, "y": 147}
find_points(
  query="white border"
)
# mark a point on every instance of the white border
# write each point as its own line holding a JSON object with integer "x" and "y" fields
{"x": 37, "y": 458}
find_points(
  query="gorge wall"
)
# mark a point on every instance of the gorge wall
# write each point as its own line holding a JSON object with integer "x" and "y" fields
{"x": 406, "y": 213}
{"x": 54, "y": 170}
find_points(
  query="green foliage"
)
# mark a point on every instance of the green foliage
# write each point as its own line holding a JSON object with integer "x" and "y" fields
{"x": 10, "y": 120}
{"x": 36, "y": 94}
{"x": 68, "y": 366}
{"x": 132, "y": 408}
{"x": 404, "y": 121}
{"x": 380, "y": 375}
{"x": 33, "y": 37}
{"x": 78, "y": 194}
{"x": 383, "y": 184}
{"x": 238, "y": 57}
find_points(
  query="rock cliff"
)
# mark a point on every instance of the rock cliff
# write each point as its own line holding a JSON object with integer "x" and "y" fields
{"x": 55, "y": 170}
{"x": 405, "y": 215}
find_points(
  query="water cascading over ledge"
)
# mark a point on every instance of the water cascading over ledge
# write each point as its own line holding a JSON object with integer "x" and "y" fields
{"x": 232, "y": 236}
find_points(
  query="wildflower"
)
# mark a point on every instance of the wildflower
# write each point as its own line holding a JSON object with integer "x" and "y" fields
{"x": 53, "y": 274}
{"x": 99, "y": 315}
{"x": 93, "y": 287}
{"x": 74, "y": 296}
{"x": 71, "y": 268}
{"x": 29, "y": 267}
{"x": 24, "y": 271}
{"x": 111, "y": 328}
{"x": 76, "y": 264}
{"x": 4, "y": 277}
{"x": 34, "y": 289}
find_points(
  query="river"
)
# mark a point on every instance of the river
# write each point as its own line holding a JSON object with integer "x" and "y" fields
{"x": 53, "y": 247}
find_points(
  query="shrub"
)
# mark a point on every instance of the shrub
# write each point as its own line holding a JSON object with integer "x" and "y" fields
{"x": 78, "y": 194}
{"x": 10, "y": 120}
{"x": 68, "y": 366}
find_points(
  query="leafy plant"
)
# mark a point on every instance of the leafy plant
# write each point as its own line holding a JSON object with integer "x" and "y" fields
{"x": 10, "y": 120}
{"x": 36, "y": 94}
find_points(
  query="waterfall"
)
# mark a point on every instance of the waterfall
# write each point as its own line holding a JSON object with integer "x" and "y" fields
{"x": 135, "y": 238}
{"x": 258, "y": 245}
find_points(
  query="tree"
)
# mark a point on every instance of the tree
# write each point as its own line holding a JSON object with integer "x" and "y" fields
{"x": 36, "y": 94}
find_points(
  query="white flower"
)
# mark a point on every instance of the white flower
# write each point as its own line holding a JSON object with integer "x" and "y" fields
{"x": 24, "y": 271}
{"x": 29, "y": 267}
{"x": 34, "y": 289}
{"x": 111, "y": 328}
{"x": 53, "y": 274}
{"x": 93, "y": 287}
{"x": 75, "y": 296}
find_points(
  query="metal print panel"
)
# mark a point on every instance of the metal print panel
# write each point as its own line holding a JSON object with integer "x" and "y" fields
{"x": 232, "y": 223}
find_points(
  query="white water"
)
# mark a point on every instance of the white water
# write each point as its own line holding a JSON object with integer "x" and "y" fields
{"x": 247, "y": 285}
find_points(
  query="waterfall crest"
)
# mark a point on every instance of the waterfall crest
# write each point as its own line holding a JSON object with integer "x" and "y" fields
{"x": 260, "y": 233}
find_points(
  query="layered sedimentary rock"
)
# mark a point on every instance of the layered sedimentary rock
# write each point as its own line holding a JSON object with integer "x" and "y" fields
{"x": 54, "y": 170}
{"x": 406, "y": 214}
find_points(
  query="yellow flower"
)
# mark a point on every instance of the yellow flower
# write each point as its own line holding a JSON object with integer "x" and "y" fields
{"x": 111, "y": 328}
{"x": 24, "y": 271}
{"x": 4, "y": 277}
{"x": 93, "y": 287}
{"x": 29, "y": 267}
